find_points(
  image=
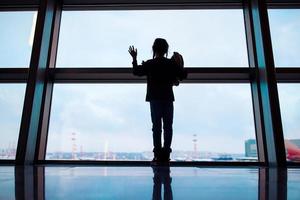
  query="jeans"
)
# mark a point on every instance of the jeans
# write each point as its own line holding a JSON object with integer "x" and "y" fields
{"x": 162, "y": 111}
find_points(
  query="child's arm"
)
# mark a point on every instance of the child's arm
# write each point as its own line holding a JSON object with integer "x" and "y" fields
{"x": 137, "y": 70}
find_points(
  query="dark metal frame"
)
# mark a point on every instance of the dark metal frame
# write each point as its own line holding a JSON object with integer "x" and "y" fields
{"x": 34, "y": 104}
{"x": 42, "y": 74}
{"x": 272, "y": 183}
{"x": 264, "y": 88}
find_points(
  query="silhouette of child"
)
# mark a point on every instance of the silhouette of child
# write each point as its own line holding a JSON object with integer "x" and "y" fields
{"x": 162, "y": 74}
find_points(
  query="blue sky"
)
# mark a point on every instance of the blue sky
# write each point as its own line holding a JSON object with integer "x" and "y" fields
{"x": 285, "y": 28}
{"x": 101, "y": 38}
{"x": 118, "y": 115}
{"x": 16, "y": 33}
{"x": 220, "y": 115}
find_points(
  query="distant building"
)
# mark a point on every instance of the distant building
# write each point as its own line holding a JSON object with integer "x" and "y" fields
{"x": 250, "y": 148}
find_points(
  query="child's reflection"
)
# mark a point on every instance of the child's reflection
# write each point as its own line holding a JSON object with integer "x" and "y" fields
{"x": 162, "y": 177}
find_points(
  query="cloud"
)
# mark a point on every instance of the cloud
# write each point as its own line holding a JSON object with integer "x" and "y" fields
{"x": 285, "y": 26}
{"x": 11, "y": 104}
{"x": 14, "y": 34}
{"x": 220, "y": 114}
{"x": 289, "y": 97}
{"x": 102, "y": 38}
{"x": 105, "y": 112}
{"x": 118, "y": 113}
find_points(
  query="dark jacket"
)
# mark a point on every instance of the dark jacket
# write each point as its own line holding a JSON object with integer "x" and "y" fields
{"x": 162, "y": 74}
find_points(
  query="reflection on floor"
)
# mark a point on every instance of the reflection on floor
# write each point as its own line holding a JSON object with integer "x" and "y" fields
{"x": 148, "y": 183}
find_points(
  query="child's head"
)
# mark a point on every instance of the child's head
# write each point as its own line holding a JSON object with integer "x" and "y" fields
{"x": 160, "y": 47}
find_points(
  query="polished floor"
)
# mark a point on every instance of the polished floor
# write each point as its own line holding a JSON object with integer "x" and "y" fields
{"x": 186, "y": 183}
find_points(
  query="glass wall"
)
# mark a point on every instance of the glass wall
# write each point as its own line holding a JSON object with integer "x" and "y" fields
{"x": 117, "y": 124}
{"x": 206, "y": 38}
{"x": 112, "y": 122}
{"x": 16, "y": 39}
{"x": 213, "y": 122}
{"x": 285, "y": 30}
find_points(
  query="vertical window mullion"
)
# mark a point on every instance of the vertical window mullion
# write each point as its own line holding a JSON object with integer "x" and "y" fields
{"x": 264, "y": 86}
{"x": 33, "y": 104}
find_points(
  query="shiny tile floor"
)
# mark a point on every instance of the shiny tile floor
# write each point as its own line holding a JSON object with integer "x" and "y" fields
{"x": 148, "y": 183}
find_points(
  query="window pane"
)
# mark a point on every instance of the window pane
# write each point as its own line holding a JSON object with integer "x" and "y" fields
{"x": 112, "y": 121}
{"x": 219, "y": 117}
{"x": 11, "y": 104}
{"x": 206, "y": 38}
{"x": 16, "y": 38}
{"x": 289, "y": 95}
{"x": 285, "y": 31}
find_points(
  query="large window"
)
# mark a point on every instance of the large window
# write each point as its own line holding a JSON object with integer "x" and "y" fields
{"x": 118, "y": 125}
{"x": 206, "y": 38}
{"x": 95, "y": 109}
{"x": 16, "y": 38}
{"x": 112, "y": 122}
{"x": 214, "y": 121}
{"x": 285, "y": 31}
{"x": 92, "y": 121}
{"x": 11, "y": 104}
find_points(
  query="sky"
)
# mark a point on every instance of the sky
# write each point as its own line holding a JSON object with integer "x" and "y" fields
{"x": 116, "y": 115}
{"x": 101, "y": 38}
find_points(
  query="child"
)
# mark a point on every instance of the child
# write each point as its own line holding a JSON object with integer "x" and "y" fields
{"x": 162, "y": 73}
